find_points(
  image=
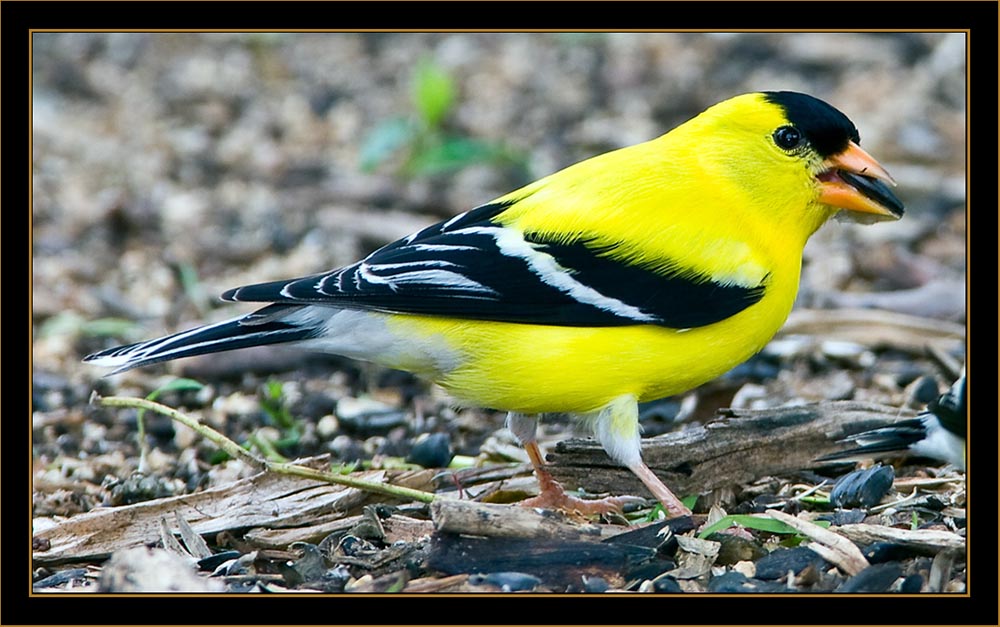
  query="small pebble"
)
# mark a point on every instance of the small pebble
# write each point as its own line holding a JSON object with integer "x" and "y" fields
{"x": 347, "y": 449}
{"x": 327, "y": 427}
{"x": 746, "y": 568}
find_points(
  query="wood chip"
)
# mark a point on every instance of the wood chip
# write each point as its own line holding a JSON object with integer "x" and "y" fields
{"x": 691, "y": 544}
{"x": 168, "y": 540}
{"x": 194, "y": 543}
{"x": 506, "y": 521}
{"x": 436, "y": 584}
{"x": 927, "y": 540}
{"x": 904, "y": 484}
{"x": 695, "y": 558}
{"x": 941, "y": 567}
{"x": 268, "y": 538}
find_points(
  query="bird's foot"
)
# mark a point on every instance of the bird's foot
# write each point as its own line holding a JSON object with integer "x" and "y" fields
{"x": 558, "y": 499}
{"x": 551, "y": 495}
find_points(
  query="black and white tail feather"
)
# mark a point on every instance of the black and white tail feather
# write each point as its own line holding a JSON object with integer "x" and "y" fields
{"x": 271, "y": 325}
{"x": 938, "y": 433}
{"x": 466, "y": 267}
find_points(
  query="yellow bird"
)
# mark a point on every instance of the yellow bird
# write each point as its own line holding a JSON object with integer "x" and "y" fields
{"x": 630, "y": 276}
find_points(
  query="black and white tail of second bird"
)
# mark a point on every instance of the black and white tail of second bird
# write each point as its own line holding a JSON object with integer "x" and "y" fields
{"x": 938, "y": 433}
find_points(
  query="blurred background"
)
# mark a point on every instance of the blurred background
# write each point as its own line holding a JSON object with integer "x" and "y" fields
{"x": 170, "y": 167}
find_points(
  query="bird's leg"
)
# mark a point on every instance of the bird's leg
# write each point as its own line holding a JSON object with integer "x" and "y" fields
{"x": 617, "y": 428}
{"x": 546, "y": 482}
{"x": 551, "y": 494}
{"x": 662, "y": 493}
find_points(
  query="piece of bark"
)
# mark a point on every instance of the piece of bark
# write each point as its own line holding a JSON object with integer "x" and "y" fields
{"x": 557, "y": 562}
{"x": 739, "y": 447}
{"x": 264, "y": 499}
{"x": 506, "y": 521}
{"x": 405, "y": 529}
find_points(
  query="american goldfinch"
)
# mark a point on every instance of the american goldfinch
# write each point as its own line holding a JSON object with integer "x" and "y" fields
{"x": 627, "y": 277}
{"x": 938, "y": 433}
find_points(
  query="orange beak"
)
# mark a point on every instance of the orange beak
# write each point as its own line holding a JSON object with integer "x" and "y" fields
{"x": 855, "y": 182}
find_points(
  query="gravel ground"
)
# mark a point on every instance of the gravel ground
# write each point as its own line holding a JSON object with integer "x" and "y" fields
{"x": 170, "y": 167}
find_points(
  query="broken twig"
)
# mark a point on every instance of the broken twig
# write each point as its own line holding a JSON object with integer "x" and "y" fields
{"x": 236, "y": 451}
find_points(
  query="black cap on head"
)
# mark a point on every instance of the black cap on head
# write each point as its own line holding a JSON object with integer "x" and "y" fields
{"x": 827, "y": 129}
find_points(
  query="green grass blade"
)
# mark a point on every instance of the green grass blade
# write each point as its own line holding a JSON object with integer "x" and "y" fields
{"x": 760, "y": 523}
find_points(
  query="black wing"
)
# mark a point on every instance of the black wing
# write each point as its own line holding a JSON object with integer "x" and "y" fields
{"x": 472, "y": 267}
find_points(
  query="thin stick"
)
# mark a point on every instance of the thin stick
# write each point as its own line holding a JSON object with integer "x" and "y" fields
{"x": 831, "y": 546}
{"x": 236, "y": 451}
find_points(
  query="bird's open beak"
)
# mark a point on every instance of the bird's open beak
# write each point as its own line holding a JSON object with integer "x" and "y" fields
{"x": 852, "y": 180}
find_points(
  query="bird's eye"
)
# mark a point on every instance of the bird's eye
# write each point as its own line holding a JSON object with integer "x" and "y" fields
{"x": 787, "y": 137}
